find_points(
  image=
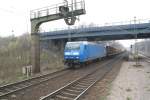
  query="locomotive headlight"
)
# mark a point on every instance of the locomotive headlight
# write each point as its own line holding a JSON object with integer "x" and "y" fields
{"x": 75, "y": 53}
{"x": 77, "y": 57}
{"x": 67, "y": 53}
{"x": 66, "y": 57}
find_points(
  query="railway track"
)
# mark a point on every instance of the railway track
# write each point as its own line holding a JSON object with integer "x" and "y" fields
{"x": 75, "y": 89}
{"x": 147, "y": 59}
{"x": 16, "y": 91}
{"x": 9, "y": 89}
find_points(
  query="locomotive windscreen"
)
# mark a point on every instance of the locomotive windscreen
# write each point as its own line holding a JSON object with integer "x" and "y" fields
{"x": 72, "y": 46}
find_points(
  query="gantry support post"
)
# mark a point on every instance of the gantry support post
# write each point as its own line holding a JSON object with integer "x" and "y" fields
{"x": 35, "y": 49}
{"x": 35, "y": 52}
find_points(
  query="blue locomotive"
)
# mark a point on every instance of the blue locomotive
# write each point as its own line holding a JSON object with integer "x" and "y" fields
{"x": 82, "y": 52}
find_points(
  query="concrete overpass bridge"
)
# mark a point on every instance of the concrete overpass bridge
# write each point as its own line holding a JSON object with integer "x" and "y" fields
{"x": 111, "y": 32}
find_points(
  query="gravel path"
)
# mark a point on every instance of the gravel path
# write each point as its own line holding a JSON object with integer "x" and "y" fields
{"x": 132, "y": 83}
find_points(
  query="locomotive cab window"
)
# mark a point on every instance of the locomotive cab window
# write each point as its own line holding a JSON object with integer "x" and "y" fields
{"x": 72, "y": 46}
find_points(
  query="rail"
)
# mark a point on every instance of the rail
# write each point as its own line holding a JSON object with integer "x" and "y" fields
{"x": 146, "y": 57}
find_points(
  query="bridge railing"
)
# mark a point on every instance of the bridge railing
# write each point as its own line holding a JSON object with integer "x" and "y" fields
{"x": 97, "y": 26}
{"x": 137, "y": 21}
{"x": 54, "y": 9}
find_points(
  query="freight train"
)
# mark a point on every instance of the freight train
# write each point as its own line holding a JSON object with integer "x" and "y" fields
{"x": 81, "y": 52}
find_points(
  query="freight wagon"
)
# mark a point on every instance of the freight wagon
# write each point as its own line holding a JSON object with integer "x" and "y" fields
{"x": 112, "y": 50}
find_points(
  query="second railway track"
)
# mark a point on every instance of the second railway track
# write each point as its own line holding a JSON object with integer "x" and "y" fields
{"x": 18, "y": 86}
{"x": 75, "y": 89}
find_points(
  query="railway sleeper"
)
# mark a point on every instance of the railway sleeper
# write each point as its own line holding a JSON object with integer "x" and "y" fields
{"x": 67, "y": 94}
{"x": 11, "y": 88}
{"x": 88, "y": 78}
{"x": 21, "y": 85}
{"x": 85, "y": 84}
{"x": 60, "y": 97}
{"x": 46, "y": 78}
{"x": 87, "y": 81}
{"x": 15, "y": 87}
{"x": 84, "y": 81}
{"x": 1, "y": 93}
{"x": 4, "y": 99}
{"x": 77, "y": 89}
{"x": 82, "y": 86}
{"x": 72, "y": 91}
{"x": 33, "y": 82}
{"x": 7, "y": 90}
{"x": 28, "y": 83}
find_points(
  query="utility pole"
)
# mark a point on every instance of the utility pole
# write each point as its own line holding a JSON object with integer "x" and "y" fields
{"x": 136, "y": 55}
{"x": 69, "y": 34}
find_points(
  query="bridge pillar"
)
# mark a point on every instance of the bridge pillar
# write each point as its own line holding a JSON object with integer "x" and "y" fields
{"x": 63, "y": 42}
{"x": 35, "y": 49}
